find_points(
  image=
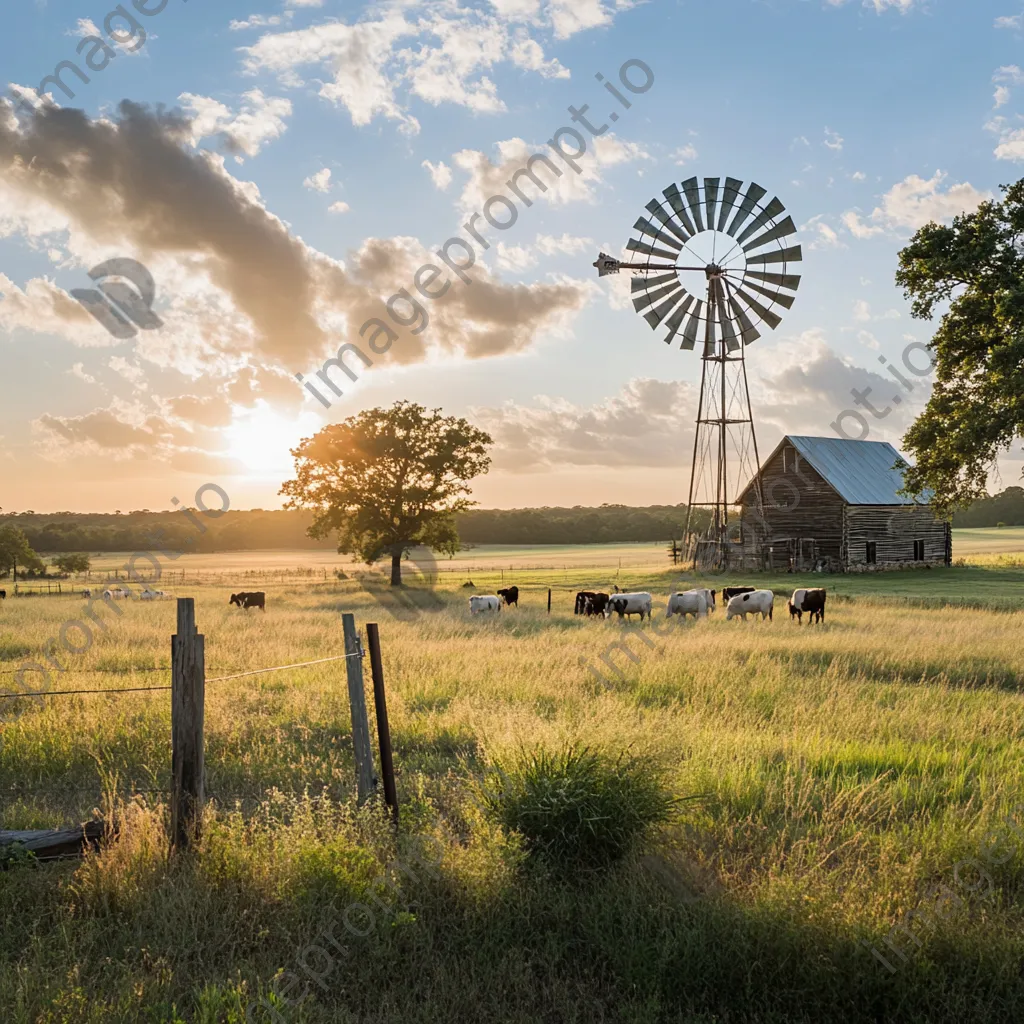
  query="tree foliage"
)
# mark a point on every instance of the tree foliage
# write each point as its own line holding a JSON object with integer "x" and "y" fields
{"x": 387, "y": 480}
{"x": 72, "y": 563}
{"x": 16, "y": 552}
{"x": 976, "y": 266}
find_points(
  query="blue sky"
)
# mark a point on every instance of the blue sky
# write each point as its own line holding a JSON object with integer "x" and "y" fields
{"x": 867, "y": 119}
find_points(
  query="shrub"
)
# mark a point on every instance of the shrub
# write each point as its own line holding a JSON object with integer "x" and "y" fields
{"x": 577, "y": 809}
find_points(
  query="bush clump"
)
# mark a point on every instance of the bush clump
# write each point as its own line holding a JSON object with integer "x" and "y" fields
{"x": 577, "y": 809}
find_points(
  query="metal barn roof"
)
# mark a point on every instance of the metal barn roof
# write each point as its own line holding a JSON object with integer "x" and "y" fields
{"x": 861, "y": 472}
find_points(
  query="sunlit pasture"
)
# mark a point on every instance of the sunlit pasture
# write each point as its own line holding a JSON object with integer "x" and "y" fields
{"x": 841, "y": 772}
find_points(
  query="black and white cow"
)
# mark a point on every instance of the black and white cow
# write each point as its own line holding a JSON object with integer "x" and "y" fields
{"x": 510, "y": 596}
{"x": 810, "y": 601}
{"x": 730, "y": 592}
{"x": 255, "y": 599}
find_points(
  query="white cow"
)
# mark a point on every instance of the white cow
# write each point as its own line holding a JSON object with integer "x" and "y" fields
{"x": 484, "y": 603}
{"x": 87, "y": 592}
{"x": 746, "y": 604}
{"x": 630, "y": 605}
{"x": 153, "y": 595}
{"x": 693, "y": 602}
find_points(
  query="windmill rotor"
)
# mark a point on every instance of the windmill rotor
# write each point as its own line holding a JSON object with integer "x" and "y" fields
{"x": 714, "y": 264}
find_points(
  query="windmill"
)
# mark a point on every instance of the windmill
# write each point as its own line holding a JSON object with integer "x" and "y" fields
{"x": 713, "y": 265}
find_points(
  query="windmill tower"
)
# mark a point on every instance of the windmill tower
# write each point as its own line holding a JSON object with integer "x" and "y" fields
{"x": 712, "y": 266}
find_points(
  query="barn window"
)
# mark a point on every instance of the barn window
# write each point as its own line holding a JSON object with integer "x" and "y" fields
{"x": 918, "y": 550}
{"x": 871, "y": 553}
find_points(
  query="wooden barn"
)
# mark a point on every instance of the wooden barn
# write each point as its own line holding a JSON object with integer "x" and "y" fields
{"x": 834, "y": 505}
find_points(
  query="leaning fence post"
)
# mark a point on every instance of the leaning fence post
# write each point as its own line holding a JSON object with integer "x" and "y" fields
{"x": 357, "y": 704}
{"x": 380, "y": 703}
{"x": 188, "y": 687}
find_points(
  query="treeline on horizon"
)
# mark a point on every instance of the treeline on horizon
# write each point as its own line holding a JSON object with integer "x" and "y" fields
{"x": 259, "y": 529}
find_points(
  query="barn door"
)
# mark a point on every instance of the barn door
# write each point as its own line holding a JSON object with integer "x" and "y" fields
{"x": 807, "y": 553}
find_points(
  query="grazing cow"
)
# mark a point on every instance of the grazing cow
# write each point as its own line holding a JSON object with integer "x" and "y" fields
{"x": 484, "y": 603}
{"x": 582, "y": 602}
{"x": 728, "y": 593}
{"x": 87, "y": 592}
{"x": 697, "y": 603}
{"x": 597, "y": 604}
{"x": 3, "y": 595}
{"x": 629, "y": 605}
{"x": 510, "y": 596}
{"x": 751, "y": 604}
{"x": 255, "y": 599}
{"x": 154, "y": 595}
{"x": 810, "y": 601}
{"x": 116, "y": 593}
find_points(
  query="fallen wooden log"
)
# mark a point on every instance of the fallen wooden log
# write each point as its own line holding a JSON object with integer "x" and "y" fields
{"x": 56, "y": 844}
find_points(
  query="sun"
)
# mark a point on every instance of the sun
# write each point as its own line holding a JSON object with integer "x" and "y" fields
{"x": 262, "y": 439}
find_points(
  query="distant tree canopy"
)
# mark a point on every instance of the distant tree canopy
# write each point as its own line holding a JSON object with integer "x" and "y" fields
{"x": 71, "y": 563}
{"x": 976, "y": 409}
{"x": 16, "y": 552}
{"x": 387, "y": 480}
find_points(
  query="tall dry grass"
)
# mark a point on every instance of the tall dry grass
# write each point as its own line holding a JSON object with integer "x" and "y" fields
{"x": 843, "y": 771}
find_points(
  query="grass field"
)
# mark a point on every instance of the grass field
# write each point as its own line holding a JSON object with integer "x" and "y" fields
{"x": 842, "y": 773}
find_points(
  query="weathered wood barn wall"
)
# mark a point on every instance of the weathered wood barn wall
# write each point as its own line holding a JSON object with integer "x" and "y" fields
{"x": 833, "y": 504}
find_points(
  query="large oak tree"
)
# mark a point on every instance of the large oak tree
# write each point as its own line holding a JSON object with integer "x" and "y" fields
{"x": 975, "y": 268}
{"x": 387, "y": 480}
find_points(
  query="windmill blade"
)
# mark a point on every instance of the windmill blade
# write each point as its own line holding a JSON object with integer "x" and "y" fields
{"x": 748, "y": 332}
{"x": 642, "y": 284}
{"x": 711, "y": 199}
{"x": 769, "y": 213}
{"x": 658, "y": 211}
{"x": 656, "y": 315}
{"x": 676, "y": 319}
{"x": 732, "y": 342}
{"x": 693, "y": 325}
{"x": 790, "y": 281}
{"x": 709, "y": 337}
{"x": 772, "y": 319}
{"x": 647, "y": 228}
{"x": 649, "y": 250}
{"x": 782, "y": 300}
{"x": 783, "y": 229}
{"x": 794, "y": 255}
{"x": 730, "y": 196}
{"x": 675, "y": 198}
{"x": 649, "y": 298}
{"x": 692, "y": 190}
{"x": 754, "y": 195}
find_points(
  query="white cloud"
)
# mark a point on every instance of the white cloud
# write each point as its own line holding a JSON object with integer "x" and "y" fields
{"x": 859, "y": 176}
{"x": 1012, "y": 21}
{"x": 861, "y": 311}
{"x": 434, "y": 52}
{"x": 259, "y": 120}
{"x": 78, "y": 370}
{"x": 684, "y": 155}
{"x": 825, "y": 234}
{"x": 440, "y": 173}
{"x": 568, "y": 244}
{"x": 319, "y": 182}
{"x": 914, "y": 202}
{"x": 338, "y": 207}
{"x": 487, "y": 178}
{"x": 833, "y": 141}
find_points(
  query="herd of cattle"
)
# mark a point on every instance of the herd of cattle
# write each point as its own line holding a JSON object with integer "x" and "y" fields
{"x": 739, "y": 603}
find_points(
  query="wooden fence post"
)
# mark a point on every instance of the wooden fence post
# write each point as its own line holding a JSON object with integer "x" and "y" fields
{"x": 549, "y": 600}
{"x": 188, "y": 688}
{"x": 380, "y": 703}
{"x": 357, "y": 704}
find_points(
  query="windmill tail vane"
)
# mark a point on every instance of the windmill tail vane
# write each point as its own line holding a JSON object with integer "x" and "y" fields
{"x": 713, "y": 263}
